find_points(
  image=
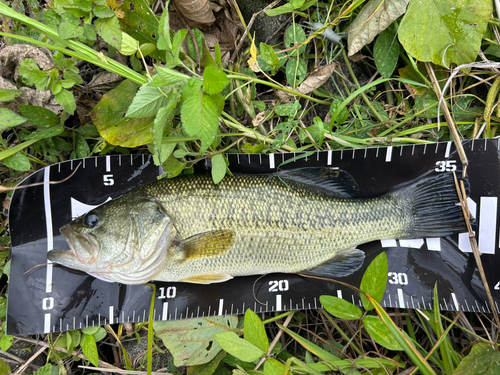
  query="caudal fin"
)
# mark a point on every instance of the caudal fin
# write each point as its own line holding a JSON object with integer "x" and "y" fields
{"x": 435, "y": 206}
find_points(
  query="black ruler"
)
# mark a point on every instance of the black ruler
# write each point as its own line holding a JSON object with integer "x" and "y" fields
{"x": 53, "y": 298}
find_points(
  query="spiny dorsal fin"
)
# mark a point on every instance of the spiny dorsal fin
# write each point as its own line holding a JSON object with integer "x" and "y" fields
{"x": 333, "y": 182}
{"x": 207, "y": 279}
{"x": 208, "y": 244}
{"x": 343, "y": 264}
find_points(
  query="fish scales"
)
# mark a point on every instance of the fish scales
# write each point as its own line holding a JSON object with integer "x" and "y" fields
{"x": 189, "y": 229}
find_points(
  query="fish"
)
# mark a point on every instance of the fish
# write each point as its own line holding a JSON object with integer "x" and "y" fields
{"x": 307, "y": 220}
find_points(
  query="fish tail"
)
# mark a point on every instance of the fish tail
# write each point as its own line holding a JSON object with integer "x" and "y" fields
{"x": 434, "y": 206}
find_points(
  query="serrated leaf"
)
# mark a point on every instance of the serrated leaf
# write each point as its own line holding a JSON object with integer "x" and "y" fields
{"x": 386, "y": 53}
{"x": 18, "y": 162}
{"x": 295, "y": 35}
{"x": 109, "y": 30}
{"x": 67, "y": 100}
{"x": 8, "y": 119}
{"x": 109, "y": 118}
{"x": 89, "y": 348}
{"x": 199, "y": 113}
{"x": 191, "y": 341}
{"x": 214, "y": 80}
{"x": 6, "y": 94}
{"x": 70, "y": 27}
{"x": 482, "y": 359}
{"x": 374, "y": 280}
{"x": 254, "y": 331}
{"x": 164, "y": 42}
{"x": 199, "y": 38}
{"x": 171, "y": 76}
{"x": 33, "y": 75}
{"x": 241, "y": 349}
{"x": 129, "y": 45}
{"x": 340, "y": 308}
{"x": 146, "y": 102}
{"x": 218, "y": 168}
{"x": 72, "y": 76}
{"x": 444, "y": 32}
{"x": 379, "y": 332}
{"x": 102, "y": 11}
{"x": 89, "y": 32}
{"x": 375, "y": 17}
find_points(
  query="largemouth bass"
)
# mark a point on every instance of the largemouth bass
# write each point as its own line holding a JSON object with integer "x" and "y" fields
{"x": 191, "y": 230}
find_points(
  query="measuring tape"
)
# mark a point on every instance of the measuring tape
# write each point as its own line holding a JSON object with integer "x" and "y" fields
{"x": 52, "y": 298}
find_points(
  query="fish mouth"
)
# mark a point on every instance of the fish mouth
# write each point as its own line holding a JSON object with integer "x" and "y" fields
{"x": 84, "y": 247}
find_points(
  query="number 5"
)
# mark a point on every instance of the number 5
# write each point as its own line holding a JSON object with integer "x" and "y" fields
{"x": 108, "y": 179}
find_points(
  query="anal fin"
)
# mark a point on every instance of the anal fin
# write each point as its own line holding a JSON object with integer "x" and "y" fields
{"x": 345, "y": 263}
{"x": 207, "y": 279}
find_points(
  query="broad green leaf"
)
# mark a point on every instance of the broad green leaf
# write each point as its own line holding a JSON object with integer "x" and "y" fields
{"x": 296, "y": 71}
{"x": 209, "y": 368}
{"x": 317, "y": 131}
{"x": 90, "y": 330}
{"x": 199, "y": 37}
{"x": 287, "y": 8}
{"x": 102, "y": 11}
{"x": 340, "y": 308}
{"x": 45, "y": 370}
{"x": 375, "y": 17}
{"x": 218, "y": 168}
{"x": 8, "y": 119}
{"x": 4, "y": 367}
{"x": 173, "y": 167}
{"x": 163, "y": 152}
{"x": 39, "y": 116}
{"x": 269, "y": 56}
{"x": 13, "y": 150}
{"x": 289, "y": 109}
{"x": 6, "y": 94}
{"x": 164, "y": 42}
{"x": 444, "y": 31}
{"x": 295, "y": 35}
{"x": 380, "y": 333}
{"x": 214, "y": 80}
{"x": 218, "y": 56}
{"x": 81, "y": 147}
{"x": 89, "y": 32}
{"x": 67, "y": 100}
{"x": 147, "y": 102}
{"x": 6, "y": 342}
{"x": 273, "y": 367}
{"x": 374, "y": 280}
{"x": 109, "y": 118}
{"x": 70, "y": 26}
{"x": 45, "y": 133}
{"x": 145, "y": 49}
{"x": 61, "y": 145}
{"x": 100, "y": 334}
{"x": 199, "y": 113}
{"x": 254, "y": 331}
{"x": 129, "y": 45}
{"x": 109, "y": 30}
{"x": 482, "y": 359}
{"x": 173, "y": 58}
{"x": 141, "y": 23}
{"x": 236, "y": 346}
{"x": 18, "y": 161}
{"x": 32, "y": 74}
{"x": 386, "y": 52}
{"x": 191, "y": 341}
{"x": 171, "y": 76}
{"x": 89, "y": 348}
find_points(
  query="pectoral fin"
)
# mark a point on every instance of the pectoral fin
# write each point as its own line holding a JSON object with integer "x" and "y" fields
{"x": 343, "y": 264}
{"x": 208, "y": 244}
{"x": 207, "y": 279}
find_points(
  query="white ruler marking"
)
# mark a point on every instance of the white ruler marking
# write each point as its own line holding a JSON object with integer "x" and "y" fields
{"x": 164, "y": 311}
{"x": 487, "y": 224}
{"x": 329, "y": 158}
{"x": 425, "y": 148}
{"x": 401, "y": 299}
{"x": 433, "y": 244}
{"x": 485, "y": 143}
{"x": 48, "y": 223}
{"x": 108, "y": 163}
{"x": 46, "y": 323}
{"x": 388, "y": 155}
{"x": 366, "y": 149}
{"x": 95, "y": 161}
{"x": 353, "y": 150}
{"x": 389, "y": 242}
{"x": 437, "y": 146}
{"x": 472, "y": 146}
{"x": 221, "y": 306}
{"x": 413, "y": 243}
{"x": 271, "y": 161}
{"x": 279, "y": 305}
{"x": 339, "y": 293}
{"x": 111, "y": 315}
{"x": 463, "y": 238}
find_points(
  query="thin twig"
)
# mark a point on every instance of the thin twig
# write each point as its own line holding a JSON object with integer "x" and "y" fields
{"x": 23, "y": 367}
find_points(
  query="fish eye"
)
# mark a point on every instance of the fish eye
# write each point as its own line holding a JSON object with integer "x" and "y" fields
{"x": 91, "y": 219}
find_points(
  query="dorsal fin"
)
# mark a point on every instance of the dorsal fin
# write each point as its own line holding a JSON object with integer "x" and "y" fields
{"x": 333, "y": 182}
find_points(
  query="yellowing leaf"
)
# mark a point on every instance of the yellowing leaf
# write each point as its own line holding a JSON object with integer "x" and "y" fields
{"x": 252, "y": 61}
{"x": 129, "y": 45}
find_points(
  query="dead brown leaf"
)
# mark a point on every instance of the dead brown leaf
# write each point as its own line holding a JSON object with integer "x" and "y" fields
{"x": 317, "y": 78}
{"x": 198, "y": 11}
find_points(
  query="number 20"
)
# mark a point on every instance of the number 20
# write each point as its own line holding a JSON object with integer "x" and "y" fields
{"x": 278, "y": 285}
